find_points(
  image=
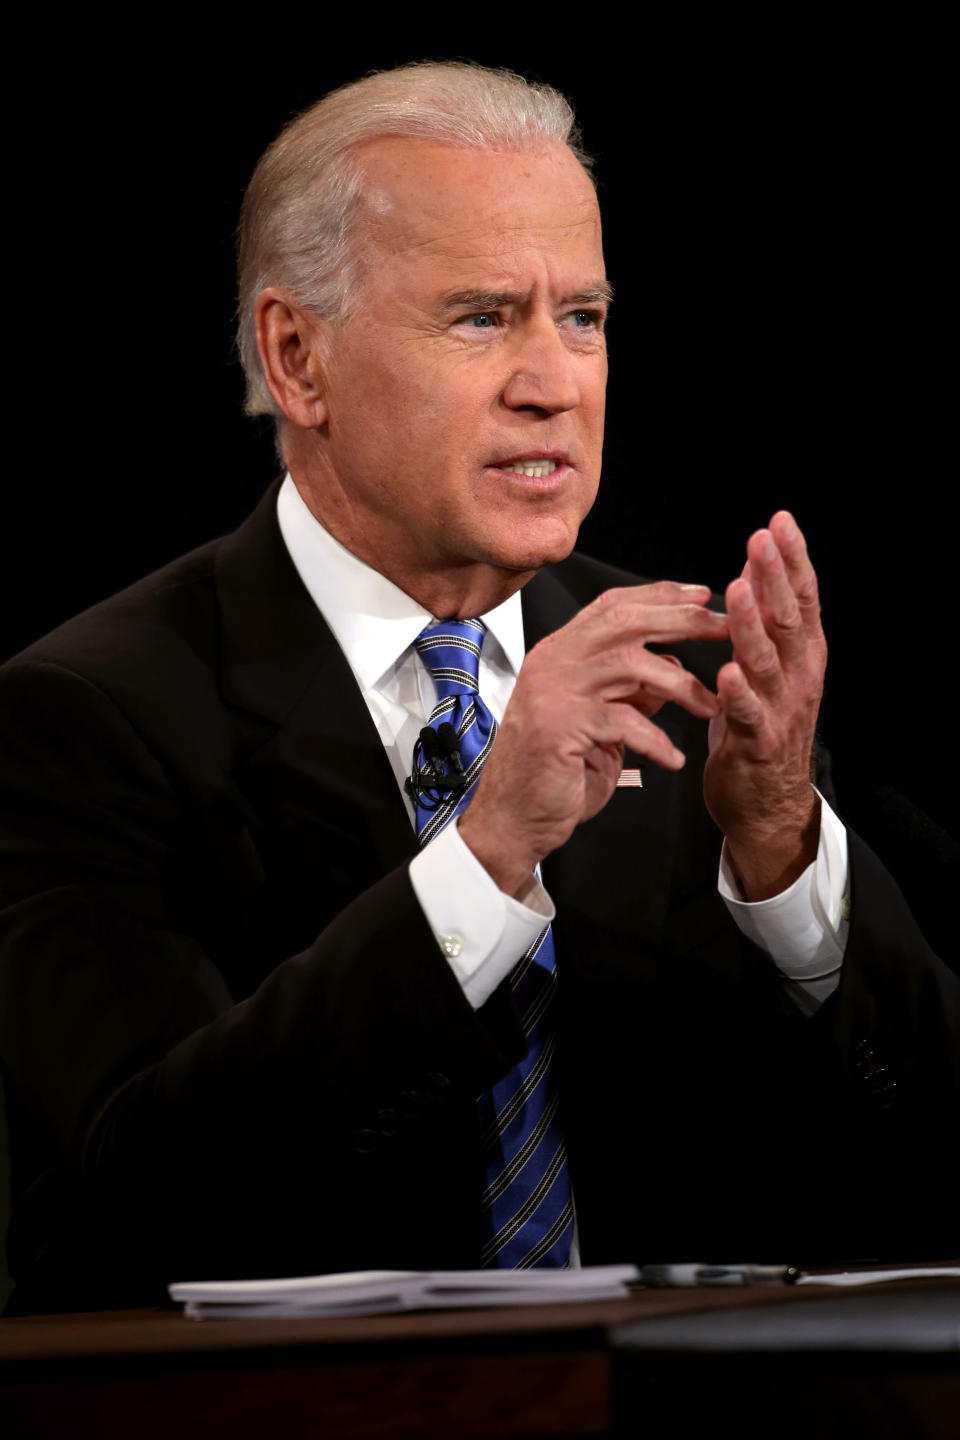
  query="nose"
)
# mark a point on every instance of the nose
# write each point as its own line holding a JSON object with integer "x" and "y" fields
{"x": 543, "y": 375}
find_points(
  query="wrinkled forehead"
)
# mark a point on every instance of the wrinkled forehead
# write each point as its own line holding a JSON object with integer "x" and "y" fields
{"x": 425, "y": 197}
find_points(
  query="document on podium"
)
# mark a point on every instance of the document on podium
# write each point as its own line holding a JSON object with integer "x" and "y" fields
{"x": 382, "y": 1292}
{"x": 864, "y": 1276}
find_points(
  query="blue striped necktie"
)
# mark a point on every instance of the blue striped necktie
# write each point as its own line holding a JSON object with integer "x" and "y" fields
{"x": 527, "y": 1211}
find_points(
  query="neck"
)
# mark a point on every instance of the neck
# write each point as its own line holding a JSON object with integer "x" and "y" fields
{"x": 458, "y": 590}
{"x": 462, "y": 597}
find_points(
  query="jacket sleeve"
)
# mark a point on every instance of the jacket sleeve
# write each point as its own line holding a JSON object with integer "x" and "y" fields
{"x": 164, "y": 1124}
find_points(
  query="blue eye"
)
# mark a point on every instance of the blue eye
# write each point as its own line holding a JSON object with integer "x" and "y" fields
{"x": 482, "y": 321}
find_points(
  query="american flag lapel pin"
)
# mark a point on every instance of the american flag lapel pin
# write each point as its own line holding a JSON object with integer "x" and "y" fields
{"x": 629, "y": 778}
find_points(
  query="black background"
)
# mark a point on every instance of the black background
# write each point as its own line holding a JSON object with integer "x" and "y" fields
{"x": 775, "y": 210}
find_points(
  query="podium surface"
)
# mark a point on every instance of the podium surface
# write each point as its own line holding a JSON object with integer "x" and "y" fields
{"x": 771, "y": 1360}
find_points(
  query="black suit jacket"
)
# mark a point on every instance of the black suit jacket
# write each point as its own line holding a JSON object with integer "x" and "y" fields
{"x": 231, "y": 1044}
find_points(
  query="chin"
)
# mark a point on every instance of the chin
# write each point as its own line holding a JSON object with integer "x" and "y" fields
{"x": 550, "y": 545}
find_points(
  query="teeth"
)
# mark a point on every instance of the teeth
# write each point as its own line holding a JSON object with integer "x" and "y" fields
{"x": 535, "y": 469}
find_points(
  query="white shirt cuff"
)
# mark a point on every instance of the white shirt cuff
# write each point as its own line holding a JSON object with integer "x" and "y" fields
{"x": 482, "y": 932}
{"x": 804, "y": 928}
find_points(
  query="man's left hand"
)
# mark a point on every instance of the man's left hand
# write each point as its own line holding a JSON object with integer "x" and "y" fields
{"x": 757, "y": 782}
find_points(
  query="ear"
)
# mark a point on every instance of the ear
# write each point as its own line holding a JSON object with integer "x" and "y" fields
{"x": 291, "y": 341}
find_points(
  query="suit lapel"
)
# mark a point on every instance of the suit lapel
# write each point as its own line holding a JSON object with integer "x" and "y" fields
{"x": 547, "y": 606}
{"x": 311, "y": 775}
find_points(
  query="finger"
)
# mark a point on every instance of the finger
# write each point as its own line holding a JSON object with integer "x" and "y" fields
{"x": 799, "y": 569}
{"x": 631, "y": 672}
{"x": 656, "y": 595}
{"x": 662, "y": 592}
{"x": 753, "y": 647}
{"x": 619, "y": 724}
{"x": 626, "y": 615}
{"x": 646, "y": 701}
{"x": 665, "y": 679}
{"x": 741, "y": 705}
{"x": 606, "y": 760}
{"x": 775, "y": 597}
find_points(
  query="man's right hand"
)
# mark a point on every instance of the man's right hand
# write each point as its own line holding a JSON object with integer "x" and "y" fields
{"x": 582, "y": 695}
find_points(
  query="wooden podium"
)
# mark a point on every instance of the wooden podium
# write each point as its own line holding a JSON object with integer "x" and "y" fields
{"x": 772, "y": 1361}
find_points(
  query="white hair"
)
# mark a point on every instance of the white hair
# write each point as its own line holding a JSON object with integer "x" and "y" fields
{"x": 297, "y": 220}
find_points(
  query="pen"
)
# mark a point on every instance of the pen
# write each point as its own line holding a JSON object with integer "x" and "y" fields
{"x": 660, "y": 1275}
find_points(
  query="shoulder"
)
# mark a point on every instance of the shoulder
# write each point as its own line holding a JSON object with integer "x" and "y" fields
{"x": 112, "y": 691}
{"x": 164, "y": 626}
{"x": 166, "y": 611}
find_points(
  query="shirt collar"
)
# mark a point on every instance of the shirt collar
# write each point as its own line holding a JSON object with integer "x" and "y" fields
{"x": 373, "y": 620}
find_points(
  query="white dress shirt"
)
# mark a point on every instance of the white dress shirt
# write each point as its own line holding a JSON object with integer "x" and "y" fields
{"x": 481, "y": 931}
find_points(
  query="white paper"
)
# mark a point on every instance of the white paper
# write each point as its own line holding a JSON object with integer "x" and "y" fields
{"x": 382, "y": 1292}
{"x": 877, "y": 1277}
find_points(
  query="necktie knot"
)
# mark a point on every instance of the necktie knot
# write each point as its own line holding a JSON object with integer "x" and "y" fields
{"x": 463, "y": 725}
{"x": 451, "y": 652}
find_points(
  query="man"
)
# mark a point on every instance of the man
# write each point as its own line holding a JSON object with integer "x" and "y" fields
{"x": 250, "y": 1025}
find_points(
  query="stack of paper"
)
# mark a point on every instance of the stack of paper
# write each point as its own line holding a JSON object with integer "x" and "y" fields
{"x": 378, "y": 1292}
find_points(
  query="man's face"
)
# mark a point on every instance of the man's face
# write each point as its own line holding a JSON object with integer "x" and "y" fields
{"x": 474, "y": 350}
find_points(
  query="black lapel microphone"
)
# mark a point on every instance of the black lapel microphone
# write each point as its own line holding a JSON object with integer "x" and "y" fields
{"x": 450, "y": 746}
{"x": 430, "y": 753}
{"x": 437, "y": 767}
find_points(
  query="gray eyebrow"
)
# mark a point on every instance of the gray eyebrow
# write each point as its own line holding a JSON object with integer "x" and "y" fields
{"x": 595, "y": 294}
{"x": 493, "y": 299}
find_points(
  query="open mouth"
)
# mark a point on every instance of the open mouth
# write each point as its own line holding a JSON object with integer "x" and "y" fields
{"x": 533, "y": 467}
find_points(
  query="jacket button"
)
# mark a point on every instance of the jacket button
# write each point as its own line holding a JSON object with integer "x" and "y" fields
{"x": 365, "y": 1142}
